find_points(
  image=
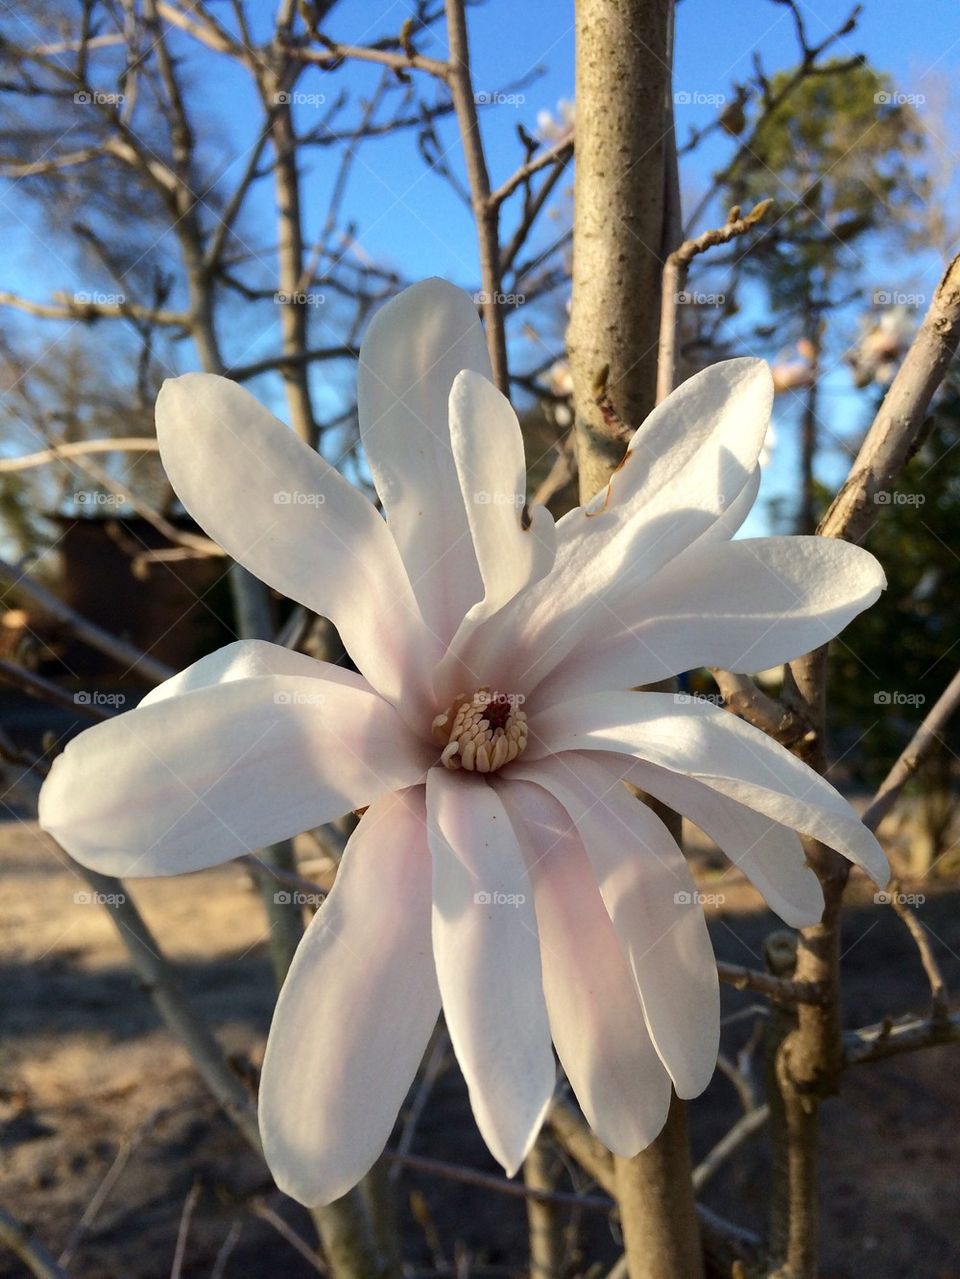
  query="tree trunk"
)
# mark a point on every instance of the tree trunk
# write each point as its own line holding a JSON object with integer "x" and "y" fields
{"x": 622, "y": 83}
{"x": 620, "y": 227}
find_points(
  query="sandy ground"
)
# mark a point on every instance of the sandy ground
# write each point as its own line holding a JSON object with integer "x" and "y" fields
{"x": 93, "y": 1088}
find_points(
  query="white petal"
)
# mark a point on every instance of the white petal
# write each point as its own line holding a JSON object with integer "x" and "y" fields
{"x": 744, "y": 605}
{"x": 414, "y": 348}
{"x": 356, "y": 1010}
{"x": 514, "y": 546}
{"x": 770, "y": 855}
{"x": 652, "y": 901}
{"x": 686, "y": 466}
{"x": 488, "y": 963}
{"x": 194, "y": 780}
{"x": 278, "y": 508}
{"x": 245, "y": 659}
{"x": 595, "y": 1012}
{"x": 714, "y": 747}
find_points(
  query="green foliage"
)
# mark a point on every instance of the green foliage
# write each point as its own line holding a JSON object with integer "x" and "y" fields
{"x": 892, "y": 663}
{"x": 840, "y": 158}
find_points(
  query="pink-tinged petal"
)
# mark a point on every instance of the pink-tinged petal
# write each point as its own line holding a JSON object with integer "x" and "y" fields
{"x": 356, "y": 1010}
{"x": 245, "y": 659}
{"x": 653, "y": 903}
{"x": 595, "y": 1013}
{"x": 197, "y": 779}
{"x": 414, "y": 348}
{"x": 744, "y": 605}
{"x": 686, "y": 466}
{"x": 488, "y": 962}
{"x": 712, "y": 746}
{"x": 770, "y": 855}
{"x": 278, "y": 508}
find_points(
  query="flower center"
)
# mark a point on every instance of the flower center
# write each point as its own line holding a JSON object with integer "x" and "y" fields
{"x": 481, "y": 731}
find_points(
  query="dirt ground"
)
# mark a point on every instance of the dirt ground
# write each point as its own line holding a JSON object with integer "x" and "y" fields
{"x": 106, "y": 1133}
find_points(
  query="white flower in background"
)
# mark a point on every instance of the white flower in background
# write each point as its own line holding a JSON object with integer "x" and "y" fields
{"x": 876, "y": 355}
{"x": 501, "y": 868}
{"x": 557, "y": 127}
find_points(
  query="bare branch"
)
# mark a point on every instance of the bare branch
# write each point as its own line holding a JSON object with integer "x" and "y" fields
{"x": 30, "y": 1250}
{"x": 675, "y": 271}
{"x": 485, "y": 211}
{"x": 78, "y": 308}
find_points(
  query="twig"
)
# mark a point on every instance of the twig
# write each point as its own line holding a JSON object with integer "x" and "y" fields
{"x": 780, "y": 989}
{"x": 266, "y": 1213}
{"x": 123, "y": 444}
{"x": 742, "y": 696}
{"x": 112, "y": 1176}
{"x": 741, "y": 1131}
{"x": 939, "y": 1000}
{"x": 913, "y": 754}
{"x": 485, "y": 210}
{"x": 891, "y": 440}
{"x": 30, "y": 1250}
{"x": 890, "y": 1039}
{"x": 500, "y": 1185}
{"x": 675, "y": 271}
{"x": 183, "y": 1230}
{"x": 43, "y": 689}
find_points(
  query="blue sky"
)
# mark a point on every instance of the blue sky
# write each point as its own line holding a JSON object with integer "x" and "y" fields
{"x": 408, "y": 217}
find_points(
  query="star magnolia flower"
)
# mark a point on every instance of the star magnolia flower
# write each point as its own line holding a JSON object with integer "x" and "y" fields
{"x": 501, "y": 867}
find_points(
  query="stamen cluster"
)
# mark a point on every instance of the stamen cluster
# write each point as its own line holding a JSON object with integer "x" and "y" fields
{"x": 481, "y": 731}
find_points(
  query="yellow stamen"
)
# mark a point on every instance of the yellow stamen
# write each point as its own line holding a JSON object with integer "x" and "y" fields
{"x": 481, "y": 731}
